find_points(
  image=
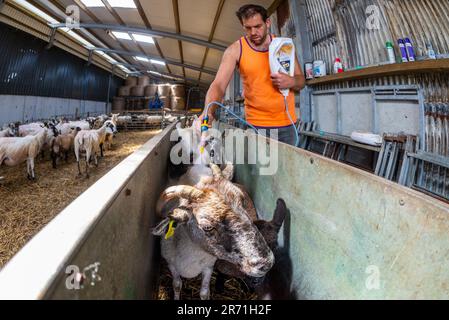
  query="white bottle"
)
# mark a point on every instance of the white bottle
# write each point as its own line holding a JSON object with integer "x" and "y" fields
{"x": 282, "y": 58}
{"x": 431, "y": 52}
{"x": 390, "y": 51}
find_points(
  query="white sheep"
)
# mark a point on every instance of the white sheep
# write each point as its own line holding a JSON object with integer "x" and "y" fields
{"x": 124, "y": 120}
{"x": 6, "y": 132}
{"x": 111, "y": 131}
{"x": 14, "y": 151}
{"x": 66, "y": 128}
{"x": 90, "y": 142}
{"x": 63, "y": 143}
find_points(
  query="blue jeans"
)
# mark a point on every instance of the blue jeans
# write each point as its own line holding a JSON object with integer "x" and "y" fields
{"x": 285, "y": 134}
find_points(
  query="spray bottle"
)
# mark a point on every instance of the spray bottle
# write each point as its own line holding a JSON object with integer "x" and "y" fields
{"x": 282, "y": 58}
{"x": 410, "y": 50}
{"x": 338, "y": 66}
{"x": 430, "y": 52}
{"x": 390, "y": 51}
{"x": 403, "y": 50}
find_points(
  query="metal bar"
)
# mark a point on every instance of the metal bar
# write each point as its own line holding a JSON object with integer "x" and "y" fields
{"x": 382, "y": 161}
{"x": 169, "y": 61}
{"x": 375, "y": 113}
{"x": 400, "y": 98}
{"x": 109, "y": 88}
{"x": 438, "y": 160}
{"x": 339, "y": 113}
{"x": 89, "y": 59}
{"x": 392, "y": 154}
{"x": 152, "y": 32}
{"x": 52, "y": 38}
{"x": 145, "y": 70}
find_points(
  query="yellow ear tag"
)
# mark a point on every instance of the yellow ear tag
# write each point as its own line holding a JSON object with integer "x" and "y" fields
{"x": 171, "y": 230}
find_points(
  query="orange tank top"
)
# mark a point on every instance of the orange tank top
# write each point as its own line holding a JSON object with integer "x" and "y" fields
{"x": 264, "y": 104}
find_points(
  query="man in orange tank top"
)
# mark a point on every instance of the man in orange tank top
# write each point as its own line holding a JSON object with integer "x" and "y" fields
{"x": 265, "y": 107}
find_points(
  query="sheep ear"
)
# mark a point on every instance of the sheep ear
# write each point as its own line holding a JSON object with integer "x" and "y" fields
{"x": 178, "y": 125}
{"x": 216, "y": 172}
{"x": 161, "y": 228}
{"x": 279, "y": 213}
{"x": 228, "y": 171}
{"x": 181, "y": 215}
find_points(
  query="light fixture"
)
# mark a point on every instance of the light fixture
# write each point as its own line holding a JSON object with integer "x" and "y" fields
{"x": 153, "y": 61}
{"x": 121, "y": 35}
{"x": 122, "y": 4}
{"x": 36, "y": 11}
{"x": 143, "y": 59}
{"x": 93, "y": 3}
{"x": 143, "y": 38}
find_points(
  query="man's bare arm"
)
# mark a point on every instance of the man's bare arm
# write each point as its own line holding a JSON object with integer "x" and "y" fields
{"x": 226, "y": 70}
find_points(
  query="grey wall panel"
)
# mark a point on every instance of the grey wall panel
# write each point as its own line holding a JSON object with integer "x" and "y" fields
{"x": 357, "y": 114}
{"x": 326, "y": 113}
{"x": 396, "y": 116}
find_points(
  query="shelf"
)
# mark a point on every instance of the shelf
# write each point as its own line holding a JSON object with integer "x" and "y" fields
{"x": 339, "y": 139}
{"x": 440, "y": 65}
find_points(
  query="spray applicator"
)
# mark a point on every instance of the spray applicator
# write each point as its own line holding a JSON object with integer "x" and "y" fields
{"x": 282, "y": 60}
{"x": 204, "y": 129}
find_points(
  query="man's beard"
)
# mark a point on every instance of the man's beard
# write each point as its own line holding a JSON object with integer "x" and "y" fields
{"x": 260, "y": 41}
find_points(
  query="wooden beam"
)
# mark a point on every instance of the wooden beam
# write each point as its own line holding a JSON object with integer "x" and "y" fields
{"x": 441, "y": 65}
{"x": 148, "y": 25}
{"x": 212, "y": 32}
{"x": 276, "y": 3}
{"x": 178, "y": 31}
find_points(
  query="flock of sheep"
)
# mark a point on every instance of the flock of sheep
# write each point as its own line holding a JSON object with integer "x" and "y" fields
{"x": 217, "y": 226}
{"x": 21, "y": 143}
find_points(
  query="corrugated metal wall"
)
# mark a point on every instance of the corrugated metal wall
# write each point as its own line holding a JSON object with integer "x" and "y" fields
{"x": 28, "y": 68}
{"x": 357, "y": 30}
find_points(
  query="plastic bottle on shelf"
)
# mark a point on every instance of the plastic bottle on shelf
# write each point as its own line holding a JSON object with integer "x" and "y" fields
{"x": 338, "y": 66}
{"x": 403, "y": 50}
{"x": 410, "y": 50}
{"x": 430, "y": 52}
{"x": 390, "y": 51}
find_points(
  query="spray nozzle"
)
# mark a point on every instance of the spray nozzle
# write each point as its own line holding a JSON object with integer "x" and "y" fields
{"x": 204, "y": 129}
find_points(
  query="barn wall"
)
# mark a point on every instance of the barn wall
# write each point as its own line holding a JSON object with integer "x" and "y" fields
{"x": 33, "y": 108}
{"x": 29, "y": 69}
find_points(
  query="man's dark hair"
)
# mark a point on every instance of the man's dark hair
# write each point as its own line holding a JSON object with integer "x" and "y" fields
{"x": 250, "y": 10}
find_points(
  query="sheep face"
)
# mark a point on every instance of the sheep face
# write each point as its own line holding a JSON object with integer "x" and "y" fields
{"x": 111, "y": 128}
{"x": 223, "y": 232}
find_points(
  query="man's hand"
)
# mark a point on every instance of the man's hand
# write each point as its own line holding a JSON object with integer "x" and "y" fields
{"x": 211, "y": 118}
{"x": 283, "y": 81}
